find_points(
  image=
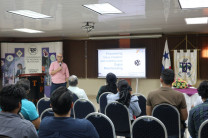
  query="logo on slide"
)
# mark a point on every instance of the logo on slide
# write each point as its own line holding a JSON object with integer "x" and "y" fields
{"x": 137, "y": 62}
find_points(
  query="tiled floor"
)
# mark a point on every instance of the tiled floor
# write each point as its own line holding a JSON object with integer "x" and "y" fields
{"x": 93, "y": 100}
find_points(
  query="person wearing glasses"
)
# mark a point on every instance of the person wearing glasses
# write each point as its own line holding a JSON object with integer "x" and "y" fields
{"x": 59, "y": 73}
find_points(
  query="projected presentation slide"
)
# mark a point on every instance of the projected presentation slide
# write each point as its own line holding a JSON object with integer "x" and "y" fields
{"x": 125, "y": 63}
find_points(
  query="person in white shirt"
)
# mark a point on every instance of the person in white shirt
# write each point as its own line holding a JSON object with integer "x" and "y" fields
{"x": 73, "y": 81}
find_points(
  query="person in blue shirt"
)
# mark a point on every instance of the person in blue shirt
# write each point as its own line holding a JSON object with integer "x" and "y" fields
{"x": 28, "y": 109}
{"x": 61, "y": 125}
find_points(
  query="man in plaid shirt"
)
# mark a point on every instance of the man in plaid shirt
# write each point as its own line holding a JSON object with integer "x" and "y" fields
{"x": 199, "y": 113}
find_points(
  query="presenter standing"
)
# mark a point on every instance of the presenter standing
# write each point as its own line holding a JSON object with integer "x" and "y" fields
{"x": 59, "y": 73}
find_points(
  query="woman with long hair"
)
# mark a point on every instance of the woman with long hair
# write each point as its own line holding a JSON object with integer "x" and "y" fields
{"x": 124, "y": 97}
{"x": 111, "y": 80}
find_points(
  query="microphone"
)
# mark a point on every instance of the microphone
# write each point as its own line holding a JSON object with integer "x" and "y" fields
{"x": 60, "y": 63}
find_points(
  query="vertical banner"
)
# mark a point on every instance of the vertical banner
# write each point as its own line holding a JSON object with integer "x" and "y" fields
{"x": 2, "y": 69}
{"x": 186, "y": 65}
{"x": 52, "y": 57}
{"x": 33, "y": 59}
{"x": 19, "y": 63}
{"x": 45, "y": 64}
{"x": 9, "y": 72}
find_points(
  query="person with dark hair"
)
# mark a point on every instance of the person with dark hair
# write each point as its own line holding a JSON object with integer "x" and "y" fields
{"x": 199, "y": 113}
{"x": 124, "y": 97}
{"x": 111, "y": 80}
{"x": 73, "y": 81}
{"x": 62, "y": 125}
{"x": 28, "y": 109}
{"x": 10, "y": 122}
{"x": 166, "y": 94}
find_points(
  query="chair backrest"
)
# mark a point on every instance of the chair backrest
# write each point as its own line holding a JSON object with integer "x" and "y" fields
{"x": 119, "y": 115}
{"x": 142, "y": 103}
{"x": 47, "y": 112}
{"x": 103, "y": 101}
{"x": 82, "y": 108}
{"x": 103, "y": 125}
{"x": 170, "y": 117}
{"x": 148, "y": 127}
{"x": 203, "y": 130}
{"x": 42, "y": 104}
{"x": 4, "y": 136}
{"x": 21, "y": 116}
{"x": 75, "y": 97}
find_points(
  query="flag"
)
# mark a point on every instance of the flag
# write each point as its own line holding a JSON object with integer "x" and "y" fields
{"x": 185, "y": 65}
{"x": 166, "y": 64}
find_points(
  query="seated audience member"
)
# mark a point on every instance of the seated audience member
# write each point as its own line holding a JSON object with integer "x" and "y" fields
{"x": 199, "y": 113}
{"x": 111, "y": 80}
{"x": 124, "y": 96}
{"x": 73, "y": 81}
{"x": 62, "y": 125}
{"x": 28, "y": 109}
{"x": 166, "y": 94}
{"x": 10, "y": 122}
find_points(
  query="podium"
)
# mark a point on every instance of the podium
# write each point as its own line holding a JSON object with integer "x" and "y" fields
{"x": 36, "y": 86}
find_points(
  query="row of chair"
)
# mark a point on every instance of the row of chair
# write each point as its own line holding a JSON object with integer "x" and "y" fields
{"x": 81, "y": 109}
{"x": 167, "y": 114}
{"x": 110, "y": 125}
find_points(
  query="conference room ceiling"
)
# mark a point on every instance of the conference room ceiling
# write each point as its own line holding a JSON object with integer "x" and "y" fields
{"x": 68, "y": 17}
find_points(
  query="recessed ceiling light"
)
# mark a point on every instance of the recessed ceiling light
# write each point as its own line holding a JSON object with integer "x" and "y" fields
{"x": 28, "y": 30}
{"x": 30, "y": 14}
{"x": 103, "y": 8}
{"x": 193, "y": 3}
{"x": 199, "y": 20}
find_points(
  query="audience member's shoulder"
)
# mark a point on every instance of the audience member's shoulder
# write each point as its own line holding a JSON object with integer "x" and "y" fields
{"x": 177, "y": 92}
{"x": 196, "y": 107}
{"x": 134, "y": 98}
{"x": 83, "y": 122}
{"x": 154, "y": 91}
{"x": 81, "y": 90}
{"x": 25, "y": 123}
{"x": 103, "y": 87}
{"x": 25, "y": 101}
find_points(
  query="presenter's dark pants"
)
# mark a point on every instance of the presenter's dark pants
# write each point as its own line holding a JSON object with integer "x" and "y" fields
{"x": 55, "y": 86}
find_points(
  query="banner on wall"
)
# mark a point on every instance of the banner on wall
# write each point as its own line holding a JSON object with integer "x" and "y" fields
{"x": 9, "y": 74}
{"x": 185, "y": 64}
{"x": 19, "y": 63}
{"x": 27, "y": 58}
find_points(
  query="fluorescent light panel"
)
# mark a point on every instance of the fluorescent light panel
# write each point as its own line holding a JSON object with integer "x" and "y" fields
{"x": 103, "y": 8}
{"x": 26, "y": 30}
{"x": 199, "y": 20}
{"x": 193, "y": 3}
{"x": 125, "y": 37}
{"x": 30, "y": 14}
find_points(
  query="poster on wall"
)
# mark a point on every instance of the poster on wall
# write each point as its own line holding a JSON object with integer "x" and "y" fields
{"x": 19, "y": 63}
{"x": 45, "y": 65}
{"x": 27, "y": 58}
{"x": 2, "y": 69}
{"x": 9, "y": 69}
{"x": 33, "y": 59}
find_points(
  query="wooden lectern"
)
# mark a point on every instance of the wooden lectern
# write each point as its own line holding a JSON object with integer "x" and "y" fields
{"x": 36, "y": 86}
